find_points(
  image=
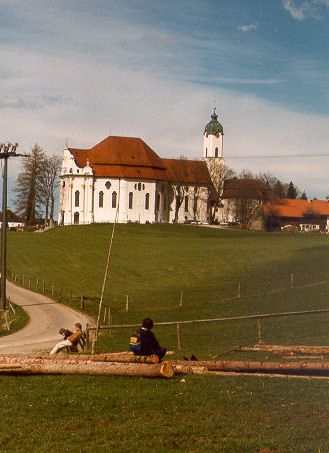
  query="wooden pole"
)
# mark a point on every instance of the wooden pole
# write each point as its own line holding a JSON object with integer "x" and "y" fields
{"x": 87, "y": 336}
{"x": 43, "y": 286}
{"x": 105, "y": 313}
{"x": 6, "y": 319}
{"x": 181, "y": 299}
{"x": 127, "y": 302}
{"x": 292, "y": 280}
{"x": 260, "y": 331}
{"x": 239, "y": 290}
{"x": 52, "y": 289}
{"x": 23, "y": 280}
{"x": 82, "y": 302}
{"x": 29, "y": 282}
{"x": 37, "y": 283}
{"x": 110, "y": 319}
{"x": 179, "y": 339}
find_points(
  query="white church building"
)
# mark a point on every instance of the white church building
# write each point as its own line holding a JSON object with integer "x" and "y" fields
{"x": 123, "y": 179}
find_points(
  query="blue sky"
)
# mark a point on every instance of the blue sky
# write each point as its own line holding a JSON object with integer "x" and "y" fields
{"x": 75, "y": 71}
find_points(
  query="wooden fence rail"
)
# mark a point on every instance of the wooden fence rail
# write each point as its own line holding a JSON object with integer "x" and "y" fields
{"x": 178, "y": 324}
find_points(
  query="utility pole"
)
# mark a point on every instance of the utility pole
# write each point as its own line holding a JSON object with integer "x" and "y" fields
{"x": 6, "y": 150}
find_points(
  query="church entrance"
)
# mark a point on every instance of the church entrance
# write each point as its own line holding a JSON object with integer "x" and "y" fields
{"x": 76, "y": 218}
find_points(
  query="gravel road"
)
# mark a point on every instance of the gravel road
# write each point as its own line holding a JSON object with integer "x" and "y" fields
{"x": 46, "y": 318}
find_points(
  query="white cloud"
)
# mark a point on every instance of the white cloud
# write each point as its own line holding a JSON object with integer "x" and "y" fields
{"x": 247, "y": 27}
{"x": 297, "y": 12}
{"x": 305, "y": 9}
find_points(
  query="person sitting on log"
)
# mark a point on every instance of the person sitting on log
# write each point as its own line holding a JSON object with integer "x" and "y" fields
{"x": 144, "y": 343}
{"x": 71, "y": 340}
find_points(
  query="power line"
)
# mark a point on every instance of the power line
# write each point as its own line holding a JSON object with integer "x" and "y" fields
{"x": 278, "y": 156}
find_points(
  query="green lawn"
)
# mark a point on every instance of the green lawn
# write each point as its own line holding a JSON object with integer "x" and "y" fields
{"x": 153, "y": 264}
{"x": 204, "y": 414}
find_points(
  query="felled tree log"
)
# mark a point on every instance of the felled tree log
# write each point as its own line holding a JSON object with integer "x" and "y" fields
{"x": 286, "y": 349}
{"x": 77, "y": 358}
{"x": 43, "y": 366}
{"x": 269, "y": 367}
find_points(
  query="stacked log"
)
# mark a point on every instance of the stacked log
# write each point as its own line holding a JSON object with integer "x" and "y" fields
{"x": 21, "y": 364}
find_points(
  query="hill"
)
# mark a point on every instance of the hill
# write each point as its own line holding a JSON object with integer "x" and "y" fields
{"x": 158, "y": 265}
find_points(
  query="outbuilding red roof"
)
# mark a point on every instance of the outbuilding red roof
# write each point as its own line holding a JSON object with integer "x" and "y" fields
{"x": 296, "y": 208}
{"x": 132, "y": 158}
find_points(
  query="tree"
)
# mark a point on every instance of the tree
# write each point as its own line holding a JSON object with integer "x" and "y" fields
{"x": 179, "y": 188}
{"x": 292, "y": 191}
{"x": 219, "y": 173}
{"x": 29, "y": 186}
{"x": 246, "y": 195}
{"x": 303, "y": 196}
{"x": 50, "y": 183}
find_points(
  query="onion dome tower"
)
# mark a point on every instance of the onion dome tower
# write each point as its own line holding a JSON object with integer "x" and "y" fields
{"x": 213, "y": 138}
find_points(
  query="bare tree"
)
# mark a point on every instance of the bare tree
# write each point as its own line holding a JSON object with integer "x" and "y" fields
{"x": 219, "y": 173}
{"x": 28, "y": 190}
{"x": 178, "y": 186}
{"x": 246, "y": 195}
{"x": 50, "y": 185}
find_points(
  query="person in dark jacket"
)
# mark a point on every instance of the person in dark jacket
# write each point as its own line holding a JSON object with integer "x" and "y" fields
{"x": 149, "y": 344}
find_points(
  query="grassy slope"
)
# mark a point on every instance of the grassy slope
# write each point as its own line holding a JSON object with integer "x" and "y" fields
{"x": 153, "y": 264}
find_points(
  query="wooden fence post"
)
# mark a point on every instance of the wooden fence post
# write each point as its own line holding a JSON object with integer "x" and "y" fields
{"x": 109, "y": 318}
{"x": 105, "y": 313}
{"x": 127, "y": 302}
{"x": 239, "y": 290}
{"x": 82, "y": 302}
{"x": 181, "y": 299}
{"x": 179, "y": 338}
{"x": 43, "y": 286}
{"x": 292, "y": 280}
{"x": 260, "y": 331}
{"x": 52, "y": 289}
{"x": 23, "y": 280}
{"x": 71, "y": 296}
{"x": 29, "y": 282}
{"x": 87, "y": 336}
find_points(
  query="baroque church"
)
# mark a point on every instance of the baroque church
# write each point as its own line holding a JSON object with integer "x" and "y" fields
{"x": 122, "y": 179}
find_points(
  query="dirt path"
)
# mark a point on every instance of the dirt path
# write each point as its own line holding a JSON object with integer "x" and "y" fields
{"x": 46, "y": 318}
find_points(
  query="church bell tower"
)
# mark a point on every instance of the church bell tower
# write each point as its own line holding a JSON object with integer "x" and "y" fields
{"x": 213, "y": 139}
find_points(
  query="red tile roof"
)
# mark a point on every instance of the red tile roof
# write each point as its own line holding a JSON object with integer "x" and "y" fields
{"x": 128, "y": 157}
{"x": 295, "y": 208}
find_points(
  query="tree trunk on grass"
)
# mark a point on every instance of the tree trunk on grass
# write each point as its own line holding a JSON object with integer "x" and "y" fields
{"x": 26, "y": 365}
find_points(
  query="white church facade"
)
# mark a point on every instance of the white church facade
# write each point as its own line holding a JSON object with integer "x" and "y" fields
{"x": 122, "y": 179}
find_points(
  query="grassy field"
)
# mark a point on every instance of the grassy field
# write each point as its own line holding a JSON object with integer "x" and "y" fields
{"x": 82, "y": 414}
{"x": 153, "y": 264}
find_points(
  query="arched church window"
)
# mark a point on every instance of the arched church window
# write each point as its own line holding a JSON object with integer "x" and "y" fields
{"x": 135, "y": 186}
{"x": 114, "y": 200}
{"x": 158, "y": 201}
{"x": 216, "y": 152}
{"x": 76, "y": 198}
{"x": 130, "y": 201}
{"x": 101, "y": 199}
{"x": 139, "y": 186}
{"x": 186, "y": 203}
{"x": 63, "y": 185}
{"x": 147, "y": 201}
{"x": 76, "y": 218}
{"x": 206, "y": 152}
